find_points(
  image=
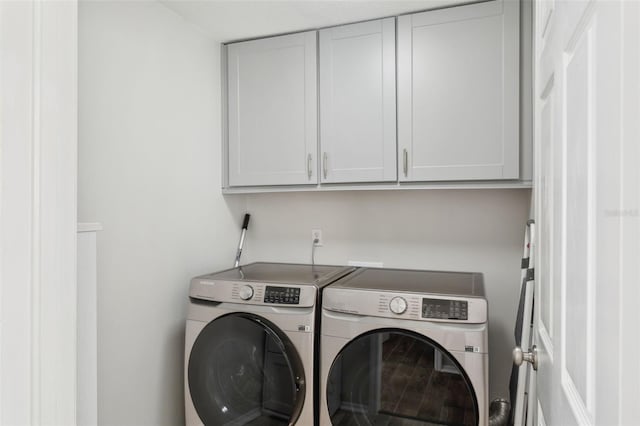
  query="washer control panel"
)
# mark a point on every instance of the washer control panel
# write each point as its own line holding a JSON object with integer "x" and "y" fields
{"x": 282, "y": 295}
{"x": 254, "y": 293}
{"x": 445, "y": 309}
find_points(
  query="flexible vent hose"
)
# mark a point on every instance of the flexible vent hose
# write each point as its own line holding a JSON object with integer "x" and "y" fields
{"x": 499, "y": 411}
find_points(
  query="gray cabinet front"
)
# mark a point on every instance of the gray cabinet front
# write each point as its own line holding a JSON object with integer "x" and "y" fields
{"x": 458, "y": 93}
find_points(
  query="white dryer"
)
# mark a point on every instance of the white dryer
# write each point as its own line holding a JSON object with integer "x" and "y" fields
{"x": 250, "y": 344}
{"x": 404, "y": 347}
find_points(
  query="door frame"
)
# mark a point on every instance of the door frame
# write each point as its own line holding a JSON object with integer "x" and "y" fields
{"x": 38, "y": 211}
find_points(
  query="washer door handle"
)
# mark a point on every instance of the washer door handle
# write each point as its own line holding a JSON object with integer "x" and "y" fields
{"x": 531, "y": 357}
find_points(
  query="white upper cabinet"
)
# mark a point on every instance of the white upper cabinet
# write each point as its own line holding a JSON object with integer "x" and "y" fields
{"x": 358, "y": 102}
{"x": 458, "y": 93}
{"x": 272, "y": 111}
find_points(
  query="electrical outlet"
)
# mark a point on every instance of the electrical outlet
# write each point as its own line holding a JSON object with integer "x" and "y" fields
{"x": 316, "y": 234}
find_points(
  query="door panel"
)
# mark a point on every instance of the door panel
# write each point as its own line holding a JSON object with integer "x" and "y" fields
{"x": 358, "y": 102}
{"x": 458, "y": 93}
{"x": 272, "y": 95}
{"x": 577, "y": 286}
{"x": 549, "y": 204}
{"x": 546, "y": 181}
{"x": 582, "y": 79}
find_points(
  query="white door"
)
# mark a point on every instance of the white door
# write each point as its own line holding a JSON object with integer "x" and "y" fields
{"x": 587, "y": 212}
{"x": 458, "y": 97}
{"x": 358, "y": 102}
{"x": 272, "y": 111}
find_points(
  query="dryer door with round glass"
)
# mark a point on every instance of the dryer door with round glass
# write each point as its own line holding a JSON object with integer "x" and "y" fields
{"x": 244, "y": 371}
{"x": 398, "y": 377}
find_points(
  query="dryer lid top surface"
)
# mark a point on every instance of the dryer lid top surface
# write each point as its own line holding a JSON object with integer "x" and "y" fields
{"x": 468, "y": 284}
{"x": 283, "y": 273}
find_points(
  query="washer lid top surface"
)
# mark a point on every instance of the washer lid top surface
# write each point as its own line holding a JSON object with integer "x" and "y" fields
{"x": 283, "y": 273}
{"x": 466, "y": 284}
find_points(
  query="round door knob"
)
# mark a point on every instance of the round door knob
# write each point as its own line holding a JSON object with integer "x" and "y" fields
{"x": 246, "y": 292}
{"x": 398, "y": 305}
{"x": 531, "y": 357}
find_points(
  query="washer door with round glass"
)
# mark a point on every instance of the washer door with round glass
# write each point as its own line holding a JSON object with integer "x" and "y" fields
{"x": 398, "y": 377}
{"x": 244, "y": 371}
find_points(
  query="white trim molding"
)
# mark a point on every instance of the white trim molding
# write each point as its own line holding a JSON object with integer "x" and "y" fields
{"x": 38, "y": 204}
{"x": 89, "y": 227}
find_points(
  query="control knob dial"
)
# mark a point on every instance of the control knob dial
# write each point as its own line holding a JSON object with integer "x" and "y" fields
{"x": 246, "y": 292}
{"x": 398, "y": 305}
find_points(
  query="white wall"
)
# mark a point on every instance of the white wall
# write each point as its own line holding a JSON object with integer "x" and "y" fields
{"x": 149, "y": 171}
{"x": 460, "y": 230}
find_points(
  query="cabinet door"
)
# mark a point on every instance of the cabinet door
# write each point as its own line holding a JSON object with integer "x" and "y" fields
{"x": 272, "y": 99}
{"x": 458, "y": 93}
{"x": 358, "y": 102}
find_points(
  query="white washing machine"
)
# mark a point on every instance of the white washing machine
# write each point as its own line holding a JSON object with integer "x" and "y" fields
{"x": 250, "y": 342}
{"x": 404, "y": 347}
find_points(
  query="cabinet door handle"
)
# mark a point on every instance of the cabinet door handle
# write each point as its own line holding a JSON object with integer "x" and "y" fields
{"x": 324, "y": 164}
{"x": 405, "y": 161}
{"x": 309, "y": 166}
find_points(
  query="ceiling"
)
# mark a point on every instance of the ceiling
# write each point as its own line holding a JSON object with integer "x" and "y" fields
{"x": 228, "y": 20}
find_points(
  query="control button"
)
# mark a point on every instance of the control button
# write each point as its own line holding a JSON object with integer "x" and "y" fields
{"x": 398, "y": 305}
{"x": 246, "y": 292}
